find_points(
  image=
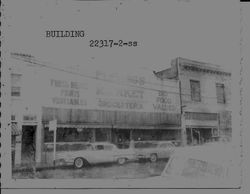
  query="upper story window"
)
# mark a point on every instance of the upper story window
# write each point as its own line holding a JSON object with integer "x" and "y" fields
{"x": 15, "y": 91}
{"x": 195, "y": 90}
{"x": 16, "y": 84}
{"x": 220, "y": 93}
{"x": 13, "y": 117}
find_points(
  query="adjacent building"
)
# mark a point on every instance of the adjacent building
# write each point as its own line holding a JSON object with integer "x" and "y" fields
{"x": 205, "y": 99}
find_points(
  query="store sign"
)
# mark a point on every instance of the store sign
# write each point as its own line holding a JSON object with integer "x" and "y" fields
{"x": 53, "y": 125}
{"x": 127, "y": 93}
{"x": 69, "y": 92}
{"x": 29, "y": 118}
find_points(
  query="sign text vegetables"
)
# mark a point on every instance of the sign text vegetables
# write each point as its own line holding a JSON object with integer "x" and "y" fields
{"x": 119, "y": 93}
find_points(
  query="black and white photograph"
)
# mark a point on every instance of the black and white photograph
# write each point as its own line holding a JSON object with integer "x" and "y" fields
{"x": 121, "y": 94}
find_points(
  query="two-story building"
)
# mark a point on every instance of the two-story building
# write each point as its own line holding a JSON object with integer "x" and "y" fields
{"x": 205, "y": 99}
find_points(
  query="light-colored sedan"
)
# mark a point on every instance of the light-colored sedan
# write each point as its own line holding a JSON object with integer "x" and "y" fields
{"x": 93, "y": 153}
{"x": 153, "y": 150}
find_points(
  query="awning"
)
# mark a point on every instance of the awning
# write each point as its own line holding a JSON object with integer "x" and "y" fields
{"x": 14, "y": 129}
{"x": 148, "y": 127}
{"x": 105, "y": 126}
{"x": 201, "y": 126}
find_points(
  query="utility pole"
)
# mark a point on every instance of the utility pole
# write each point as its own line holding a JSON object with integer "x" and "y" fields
{"x": 183, "y": 125}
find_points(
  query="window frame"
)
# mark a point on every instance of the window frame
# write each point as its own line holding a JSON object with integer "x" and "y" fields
{"x": 97, "y": 147}
{"x": 195, "y": 97}
{"x": 15, "y": 91}
{"x": 222, "y": 87}
{"x": 16, "y": 82}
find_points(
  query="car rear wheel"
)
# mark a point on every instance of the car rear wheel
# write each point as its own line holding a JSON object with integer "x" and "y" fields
{"x": 153, "y": 158}
{"x": 80, "y": 163}
{"x": 121, "y": 161}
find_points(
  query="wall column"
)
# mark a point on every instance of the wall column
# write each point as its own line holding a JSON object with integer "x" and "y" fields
{"x": 18, "y": 149}
{"x": 39, "y": 141}
{"x": 39, "y": 136}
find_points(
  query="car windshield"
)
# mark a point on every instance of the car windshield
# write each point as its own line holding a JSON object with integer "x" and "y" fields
{"x": 89, "y": 147}
{"x": 193, "y": 168}
{"x": 99, "y": 147}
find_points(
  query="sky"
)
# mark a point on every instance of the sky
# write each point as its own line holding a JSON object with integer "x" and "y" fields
{"x": 207, "y": 31}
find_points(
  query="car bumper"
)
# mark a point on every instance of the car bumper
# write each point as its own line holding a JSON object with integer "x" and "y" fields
{"x": 139, "y": 157}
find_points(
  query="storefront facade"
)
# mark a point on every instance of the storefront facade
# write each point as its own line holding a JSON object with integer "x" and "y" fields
{"x": 100, "y": 106}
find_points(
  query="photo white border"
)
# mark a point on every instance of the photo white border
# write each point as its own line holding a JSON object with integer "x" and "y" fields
{"x": 6, "y": 174}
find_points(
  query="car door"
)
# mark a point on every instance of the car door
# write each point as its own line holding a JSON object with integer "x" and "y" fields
{"x": 103, "y": 153}
{"x": 110, "y": 151}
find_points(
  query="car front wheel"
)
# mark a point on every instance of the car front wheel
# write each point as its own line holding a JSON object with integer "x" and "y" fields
{"x": 79, "y": 163}
{"x": 121, "y": 161}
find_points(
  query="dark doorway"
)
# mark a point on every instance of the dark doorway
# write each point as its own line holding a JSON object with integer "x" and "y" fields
{"x": 198, "y": 135}
{"x": 28, "y": 144}
{"x": 121, "y": 137}
{"x": 206, "y": 135}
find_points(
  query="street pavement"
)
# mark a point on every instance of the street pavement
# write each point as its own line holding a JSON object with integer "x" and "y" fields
{"x": 110, "y": 171}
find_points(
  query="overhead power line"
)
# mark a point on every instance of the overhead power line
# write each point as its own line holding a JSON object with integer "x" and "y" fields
{"x": 43, "y": 64}
{"x": 40, "y": 64}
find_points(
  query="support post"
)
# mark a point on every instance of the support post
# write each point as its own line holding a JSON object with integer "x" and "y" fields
{"x": 131, "y": 134}
{"x": 53, "y": 127}
{"x": 93, "y": 139}
{"x": 109, "y": 135}
{"x": 192, "y": 138}
{"x": 183, "y": 130}
{"x": 54, "y": 154}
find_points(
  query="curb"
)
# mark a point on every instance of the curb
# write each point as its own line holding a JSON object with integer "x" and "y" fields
{"x": 30, "y": 169}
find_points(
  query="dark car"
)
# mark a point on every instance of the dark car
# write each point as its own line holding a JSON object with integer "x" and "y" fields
{"x": 153, "y": 150}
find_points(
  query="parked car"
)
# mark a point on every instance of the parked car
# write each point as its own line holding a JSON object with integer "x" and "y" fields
{"x": 201, "y": 166}
{"x": 93, "y": 153}
{"x": 153, "y": 150}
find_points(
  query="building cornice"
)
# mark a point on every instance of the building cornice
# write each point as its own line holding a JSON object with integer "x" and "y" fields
{"x": 198, "y": 66}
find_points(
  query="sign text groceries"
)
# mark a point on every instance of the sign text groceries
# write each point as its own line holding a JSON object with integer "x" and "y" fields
{"x": 69, "y": 92}
{"x": 108, "y": 96}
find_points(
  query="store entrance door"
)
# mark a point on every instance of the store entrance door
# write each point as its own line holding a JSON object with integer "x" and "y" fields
{"x": 206, "y": 135}
{"x": 198, "y": 135}
{"x": 28, "y": 144}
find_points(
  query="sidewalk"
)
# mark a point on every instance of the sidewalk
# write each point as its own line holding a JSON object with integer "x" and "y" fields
{"x": 36, "y": 167}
